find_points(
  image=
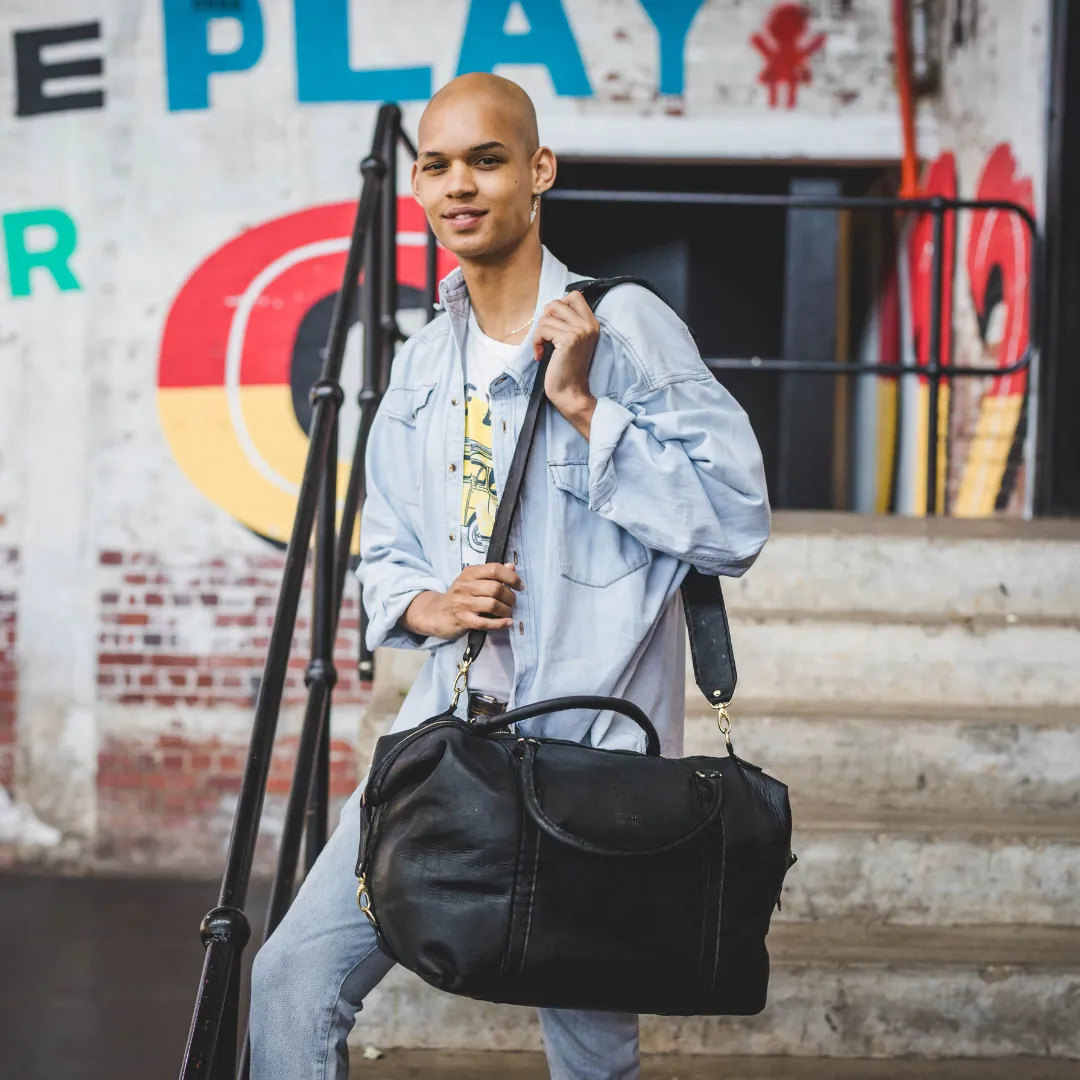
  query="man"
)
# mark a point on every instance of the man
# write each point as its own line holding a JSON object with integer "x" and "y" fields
{"x": 643, "y": 464}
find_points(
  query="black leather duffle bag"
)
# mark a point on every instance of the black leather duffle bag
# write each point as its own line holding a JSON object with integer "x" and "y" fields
{"x": 549, "y": 873}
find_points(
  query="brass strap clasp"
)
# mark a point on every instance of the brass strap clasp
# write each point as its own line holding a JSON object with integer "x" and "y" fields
{"x": 461, "y": 680}
{"x": 363, "y": 900}
{"x": 723, "y": 720}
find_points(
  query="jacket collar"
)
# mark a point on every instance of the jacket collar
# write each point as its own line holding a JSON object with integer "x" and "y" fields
{"x": 454, "y": 297}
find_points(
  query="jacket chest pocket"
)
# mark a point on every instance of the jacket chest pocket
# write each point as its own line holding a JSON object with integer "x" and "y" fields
{"x": 592, "y": 550}
{"x": 408, "y": 407}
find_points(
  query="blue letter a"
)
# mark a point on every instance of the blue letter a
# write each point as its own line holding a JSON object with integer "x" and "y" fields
{"x": 549, "y": 41}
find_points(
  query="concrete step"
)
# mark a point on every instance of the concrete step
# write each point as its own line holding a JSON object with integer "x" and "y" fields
{"x": 844, "y": 607}
{"x": 837, "y": 563}
{"x": 464, "y": 1065}
{"x": 837, "y": 991}
{"x": 927, "y": 757}
{"x": 928, "y": 868}
{"x": 795, "y": 656}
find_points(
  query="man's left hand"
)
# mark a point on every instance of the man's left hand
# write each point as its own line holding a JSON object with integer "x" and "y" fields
{"x": 573, "y": 329}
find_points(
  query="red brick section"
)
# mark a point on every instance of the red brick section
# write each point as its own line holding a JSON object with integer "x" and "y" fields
{"x": 169, "y": 799}
{"x": 9, "y": 558}
{"x": 196, "y": 633}
{"x": 174, "y": 633}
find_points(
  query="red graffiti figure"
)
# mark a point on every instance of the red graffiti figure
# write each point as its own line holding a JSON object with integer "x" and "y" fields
{"x": 785, "y": 52}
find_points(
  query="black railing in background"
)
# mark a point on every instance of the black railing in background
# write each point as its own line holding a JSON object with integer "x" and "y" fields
{"x": 934, "y": 371}
{"x": 214, "y": 1037}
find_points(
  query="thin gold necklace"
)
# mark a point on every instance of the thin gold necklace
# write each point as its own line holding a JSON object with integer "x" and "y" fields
{"x": 511, "y": 333}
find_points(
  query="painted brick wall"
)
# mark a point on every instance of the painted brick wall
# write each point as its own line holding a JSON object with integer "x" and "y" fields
{"x": 9, "y": 558}
{"x": 168, "y": 800}
{"x": 196, "y": 632}
{"x": 187, "y": 637}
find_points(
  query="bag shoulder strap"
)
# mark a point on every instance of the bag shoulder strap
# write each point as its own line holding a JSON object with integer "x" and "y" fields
{"x": 703, "y": 600}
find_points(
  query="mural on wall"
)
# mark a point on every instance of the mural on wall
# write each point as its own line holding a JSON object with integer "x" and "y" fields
{"x": 940, "y": 180}
{"x": 786, "y": 52}
{"x": 998, "y": 261}
{"x": 242, "y": 345}
{"x": 40, "y": 243}
{"x": 495, "y": 32}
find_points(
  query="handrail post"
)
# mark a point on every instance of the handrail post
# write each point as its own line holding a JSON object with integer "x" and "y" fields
{"x": 431, "y": 277}
{"x": 224, "y": 1066}
{"x": 371, "y": 380}
{"x": 933, "y": 366}
{"x": 321, "y": 675}
{"x": 387, "y": 269}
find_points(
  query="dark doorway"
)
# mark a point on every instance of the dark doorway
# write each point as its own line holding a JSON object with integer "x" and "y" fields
{"x": 749, "y": 281}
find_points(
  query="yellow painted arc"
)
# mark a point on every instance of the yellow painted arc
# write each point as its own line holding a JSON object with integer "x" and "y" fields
{"x": 922, "y": 428}
{"x": 988, "y": 455}
{"x": 200, "y": 434}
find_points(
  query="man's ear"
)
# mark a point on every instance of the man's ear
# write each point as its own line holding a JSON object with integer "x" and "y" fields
{"x": 544, "y": 168}
{"x": 412, "y": 181}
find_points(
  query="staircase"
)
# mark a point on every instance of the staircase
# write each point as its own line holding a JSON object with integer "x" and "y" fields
{"x": 917, "y": 685}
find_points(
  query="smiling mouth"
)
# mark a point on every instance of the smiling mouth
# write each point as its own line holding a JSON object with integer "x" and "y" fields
{"x": 464, "y": 216}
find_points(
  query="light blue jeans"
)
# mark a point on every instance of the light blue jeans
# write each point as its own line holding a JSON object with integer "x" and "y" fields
{"x": 310, "y": 979}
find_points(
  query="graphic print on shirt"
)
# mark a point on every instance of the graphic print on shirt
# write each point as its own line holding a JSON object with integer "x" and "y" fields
{"x": 479, "y": 497}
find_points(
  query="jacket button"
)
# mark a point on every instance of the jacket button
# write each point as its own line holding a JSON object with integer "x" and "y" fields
{"x": 453, "y": 401}
{"x": 451, "y": 536}
{"x": 521, "y": 628}
{"x": 453, "y": 467}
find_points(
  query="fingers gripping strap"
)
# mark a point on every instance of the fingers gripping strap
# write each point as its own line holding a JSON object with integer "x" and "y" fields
{"x": 706, "y": 617}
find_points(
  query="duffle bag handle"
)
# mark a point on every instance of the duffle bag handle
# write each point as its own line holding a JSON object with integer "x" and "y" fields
{"x": 487, "y": 725}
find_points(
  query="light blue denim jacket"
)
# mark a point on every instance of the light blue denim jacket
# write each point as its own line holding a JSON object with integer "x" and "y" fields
{"x": 671, "y": 475}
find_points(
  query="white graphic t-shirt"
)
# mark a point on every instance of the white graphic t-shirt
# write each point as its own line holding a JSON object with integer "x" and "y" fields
{"x": 485, "y": 360}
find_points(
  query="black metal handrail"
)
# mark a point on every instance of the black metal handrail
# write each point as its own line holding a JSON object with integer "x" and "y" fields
{"x": 934, "y": 371}
{"x": 214, "y": 1036}
{"x": 212, "y": 1044}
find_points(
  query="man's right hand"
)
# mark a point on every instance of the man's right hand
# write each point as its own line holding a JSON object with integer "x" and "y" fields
{"x": 481, "y": 598}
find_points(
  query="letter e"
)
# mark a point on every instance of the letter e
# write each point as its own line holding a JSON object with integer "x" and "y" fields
{"x": 32, "y": 73}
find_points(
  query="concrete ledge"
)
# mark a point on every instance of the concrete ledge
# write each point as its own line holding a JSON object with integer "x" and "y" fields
{"x": 837, "y": 991}
{"x": 870, "y": 877}
{"x": 897, "y": 575}
{"x": 818, "y": 523}
{"x": 943, "y": 761}
{"x": 463, "y": 1065}
{"x": 806, "y": 658}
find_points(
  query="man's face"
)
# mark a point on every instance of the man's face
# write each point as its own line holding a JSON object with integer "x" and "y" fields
{"x": 474, "y": 177}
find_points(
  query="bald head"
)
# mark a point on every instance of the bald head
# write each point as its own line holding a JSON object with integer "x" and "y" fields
{"x": 497, "y": 103}
{"x": 480, "y": 169}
